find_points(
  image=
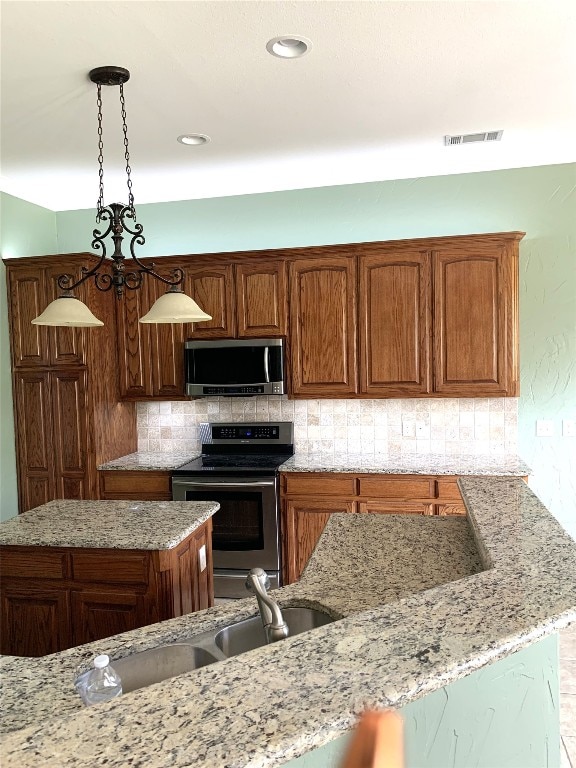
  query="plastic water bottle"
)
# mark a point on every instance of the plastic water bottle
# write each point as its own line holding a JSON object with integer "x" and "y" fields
{"x": 102, "y": 683}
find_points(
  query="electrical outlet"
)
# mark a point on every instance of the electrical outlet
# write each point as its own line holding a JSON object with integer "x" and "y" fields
{"x": 422, "y": 430}
{"x": 408, "y": 428}
{"x": 569, "y": 428}
{"x": 544, "y": 428}
{"x": 202, "y": 558}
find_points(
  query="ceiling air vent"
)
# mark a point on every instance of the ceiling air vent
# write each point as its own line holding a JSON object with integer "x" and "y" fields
{"x": 472, "y": 138}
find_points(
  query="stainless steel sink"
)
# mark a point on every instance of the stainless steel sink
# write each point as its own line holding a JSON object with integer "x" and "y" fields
{"x": 156, "y": 664}
{"x": 249, "y": 634}
{"x": 148, "y": 667}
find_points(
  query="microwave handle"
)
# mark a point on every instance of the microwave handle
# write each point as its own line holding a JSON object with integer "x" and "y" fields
{"x": 267, "y": 365}
{"x": 200, "y": 484}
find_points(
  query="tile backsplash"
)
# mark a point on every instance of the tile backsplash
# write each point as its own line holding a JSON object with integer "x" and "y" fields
{"x": 391, "y": 427}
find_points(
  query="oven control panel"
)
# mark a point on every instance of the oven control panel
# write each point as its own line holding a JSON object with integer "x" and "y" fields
{"x": 245, "y": 432}
{"x": 277, "y": 435}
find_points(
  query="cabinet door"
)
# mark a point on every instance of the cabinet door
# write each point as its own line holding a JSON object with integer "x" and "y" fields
{"x": 212, "y": 289}
{"x": 395, "y": 297}
{"x": 167, "y": 352}
{"x": 304, "y": 522}
{"x": 188, "y": 584}
{"x": 33, "y": 410}
{"x": 98, "y": 614}
{"x": 71, "y": 436}
{"x": 27, "y": 292}
{"x": 35, "y": 621}
{"x": 134, "y": 344}
{"x": 261, "y": 299}
{"x": 475, "y": 321}
{"x": 323, "y": 326}
{"x": 384, "y": 507}
{"x": 66, "y": 344}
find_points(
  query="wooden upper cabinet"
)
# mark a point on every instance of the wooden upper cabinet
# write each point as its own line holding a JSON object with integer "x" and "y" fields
{"x": 261, "y": 299}
{"x": 66, "y": 344}
{"x": 394, "y": 319}
{"x": 212, "y": 289}
{"x": 134, "y": 344}
{"x": 27, "y": 292}
{"x": 31, "y": 289}
{"x": 167, "y": 351}
{"x": 323, "y": 326}
{"x": 475, "y": 319}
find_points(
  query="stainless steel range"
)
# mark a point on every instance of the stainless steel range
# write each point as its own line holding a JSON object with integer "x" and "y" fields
{"x": 239, "y": 469}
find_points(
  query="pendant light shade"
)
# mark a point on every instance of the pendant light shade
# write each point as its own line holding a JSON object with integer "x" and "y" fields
{"x": 175, "y": 307}
{"x": 67, "y": 311}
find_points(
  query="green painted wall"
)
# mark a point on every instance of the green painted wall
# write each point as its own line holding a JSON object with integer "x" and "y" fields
{"x": 505, "y": 715}
{"x": 540, "y": 201}
{"x": 25, "y": 230}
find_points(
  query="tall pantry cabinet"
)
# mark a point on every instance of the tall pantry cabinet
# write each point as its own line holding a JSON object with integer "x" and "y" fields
{"x": 65, "y": 385}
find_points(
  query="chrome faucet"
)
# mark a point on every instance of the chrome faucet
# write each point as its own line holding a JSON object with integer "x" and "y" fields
{"x": 274, "y": 625}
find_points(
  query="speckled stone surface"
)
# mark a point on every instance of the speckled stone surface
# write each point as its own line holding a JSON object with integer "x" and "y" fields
{"x": 148, "y": 462}
{"x": 395, "y": 644}
{"x": 420, "y": 464}
{"x": 152, "y": 525}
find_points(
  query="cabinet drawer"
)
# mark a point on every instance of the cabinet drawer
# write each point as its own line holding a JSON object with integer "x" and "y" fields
{"x": 396, "y": 507}
{"x": 447, "y": 488}
{"x": 385, "y": 487}
{"x": 134, "y": 485}
{"x": 451, "y": 508}
{"x": 319, "y": 484}
{"x": 32, "y": 564}
{"x": 111, "y": 567}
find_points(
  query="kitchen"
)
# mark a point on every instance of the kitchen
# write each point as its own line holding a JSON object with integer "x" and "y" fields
{"x": 507, "y": 200}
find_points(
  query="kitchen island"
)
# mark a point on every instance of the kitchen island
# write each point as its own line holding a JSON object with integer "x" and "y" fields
{"x": 76, "y": 571}
{"x": 392, "y": 647}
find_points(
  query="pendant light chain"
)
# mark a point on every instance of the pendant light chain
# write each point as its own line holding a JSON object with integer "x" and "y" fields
{"x": 127, "y": 154}
{"x": 100, "y": 204}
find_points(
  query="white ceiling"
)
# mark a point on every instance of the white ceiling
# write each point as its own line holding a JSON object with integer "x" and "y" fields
{"x": 372, "y": 100}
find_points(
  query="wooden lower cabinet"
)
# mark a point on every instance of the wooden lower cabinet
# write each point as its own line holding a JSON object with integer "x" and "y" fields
{"x": 309, "y": 498}
{"x": 304, "y": 521}
{"x": 98, "y": 614}
{"x": 35, "y": 621}
{"x": 53, "y": 598}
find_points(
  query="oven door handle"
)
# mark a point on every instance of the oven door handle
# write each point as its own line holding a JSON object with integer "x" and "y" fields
{"x": 224, "y": 485}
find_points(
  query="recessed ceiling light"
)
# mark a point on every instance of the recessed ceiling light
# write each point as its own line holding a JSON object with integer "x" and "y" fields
{"x": 288, "y": 46}
{"x": 193, "y": 139}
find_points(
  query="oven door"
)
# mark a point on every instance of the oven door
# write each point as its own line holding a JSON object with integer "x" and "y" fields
{"x": 245, "y": 530}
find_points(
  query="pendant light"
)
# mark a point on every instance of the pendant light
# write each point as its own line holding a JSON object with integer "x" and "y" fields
{"x": 118, "y": 220}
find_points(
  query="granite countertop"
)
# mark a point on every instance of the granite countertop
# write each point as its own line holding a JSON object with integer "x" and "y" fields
{"x": 504, "y": 577}
{"x": 148, "y": 462}
{"x": 151, "y": 525}
{"x": 420, "y": 464}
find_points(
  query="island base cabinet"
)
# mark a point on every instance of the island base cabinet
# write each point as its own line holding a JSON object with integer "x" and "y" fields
{"x": 53, "y": 598}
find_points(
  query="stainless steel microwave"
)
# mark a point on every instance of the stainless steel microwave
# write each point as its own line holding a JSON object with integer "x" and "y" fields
{"x": 234, "y": 367}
